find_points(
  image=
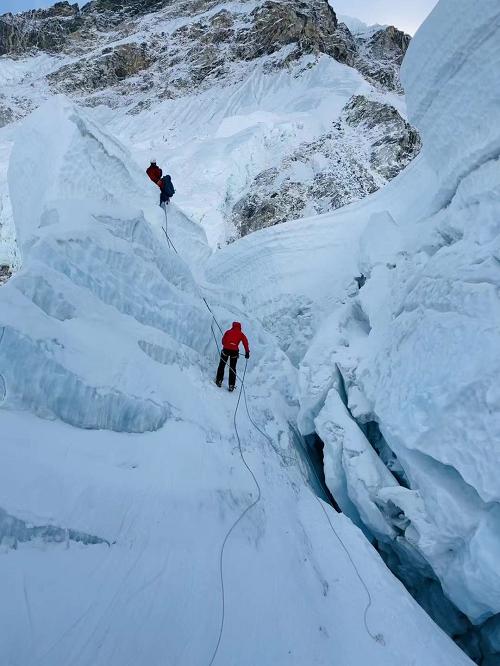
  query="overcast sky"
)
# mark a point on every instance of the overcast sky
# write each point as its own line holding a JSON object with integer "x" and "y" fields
{"x": 404, "y": 14}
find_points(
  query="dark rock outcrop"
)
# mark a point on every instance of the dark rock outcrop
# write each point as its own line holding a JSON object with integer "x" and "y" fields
{"x": 206, "y": 46}
{"x": 119, "y": 10}
{"x": 369, "y": 147}
{"x": 44, "y": 29}
{"x": 6, "y": 115}
{"x": 389, "y": 44}
{"x": 5, "y": 273}
{"x": 381, "y": 55}
{"x": 112, "y": 66}
{"x": 318, "y": 177}
{"x": 311, "y": 26}
{"x": 395, "y": 143}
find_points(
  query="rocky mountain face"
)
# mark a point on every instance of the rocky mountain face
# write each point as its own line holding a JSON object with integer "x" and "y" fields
{"x": 202, "y": 48}
{"x": 310, "y": 27}
{"x": 136, "y": 56}
{"x": 5, "y": 273}
{"x": 380, "y": 56}
{"x": 393, "y": 142}
{"x": 328, "y": 173}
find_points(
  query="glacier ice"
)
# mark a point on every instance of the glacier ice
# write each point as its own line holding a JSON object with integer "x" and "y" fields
{"x": 105, "y": 329}
{"x": 112, "y": 426}
{"x": 417, "y": 347}
{"x": 451, "y": 79}
{"x": 82, "y": 238}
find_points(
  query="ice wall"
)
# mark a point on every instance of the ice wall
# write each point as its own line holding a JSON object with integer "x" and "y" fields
{"x": 413, "y": 354}
{"x": 427, "y": 367}
{"x": 450, "y": 76}
{"x": 61, "y": 154}
{"x": 99, "y": 292}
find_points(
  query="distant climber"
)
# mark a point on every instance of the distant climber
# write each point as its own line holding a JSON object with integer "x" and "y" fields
{"x": 230, "y": 352}
{"x": 166, "y": 190}
{"x": 154, "y": 172}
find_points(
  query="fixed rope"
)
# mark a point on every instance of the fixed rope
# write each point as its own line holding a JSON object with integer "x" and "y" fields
{"x": 376, "y": 637}
{"x": 242, "y": 455}
{"x": 249, "y": 507}
{"x": 165, "y": 231}
{"x": 3, "y": 385}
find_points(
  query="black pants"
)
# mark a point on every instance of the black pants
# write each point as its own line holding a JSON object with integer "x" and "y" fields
{"x": 232, "y": 356}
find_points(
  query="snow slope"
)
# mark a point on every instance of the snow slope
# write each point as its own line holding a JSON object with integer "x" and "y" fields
{"x": 218, "y": 141}
{"x": 414, "y": 354}
{"x": 121, "y": 475}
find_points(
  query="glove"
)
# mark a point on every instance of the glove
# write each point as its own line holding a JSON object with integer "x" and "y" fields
{"x": 247, "y": 355}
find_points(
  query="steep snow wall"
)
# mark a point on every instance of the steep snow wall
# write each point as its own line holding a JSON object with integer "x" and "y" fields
{"x": 432, "y": 374}
{"x": 416, "y": 349}
{"x": 452, "y": 89}
{"x": 98, "y": 291}
{"x": 429, "y": 360}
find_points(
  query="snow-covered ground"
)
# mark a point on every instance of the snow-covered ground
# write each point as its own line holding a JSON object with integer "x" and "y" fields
{"x": 125, "y": 488}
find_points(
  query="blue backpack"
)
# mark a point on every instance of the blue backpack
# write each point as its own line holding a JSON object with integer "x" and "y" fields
{"x": 167, "y": 188}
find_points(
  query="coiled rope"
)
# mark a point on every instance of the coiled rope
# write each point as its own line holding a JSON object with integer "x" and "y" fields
{"x": 376, "y": 637}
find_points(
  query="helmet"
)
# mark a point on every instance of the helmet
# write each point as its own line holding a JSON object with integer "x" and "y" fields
{"x": 153, "y": 161}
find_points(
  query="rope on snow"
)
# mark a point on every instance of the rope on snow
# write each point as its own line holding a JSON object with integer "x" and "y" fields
{"x": 376, "y": 637}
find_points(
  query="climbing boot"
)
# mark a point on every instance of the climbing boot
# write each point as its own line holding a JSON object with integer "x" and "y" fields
{"x": 218, "y": 382}
{"x": 231, "y": 389}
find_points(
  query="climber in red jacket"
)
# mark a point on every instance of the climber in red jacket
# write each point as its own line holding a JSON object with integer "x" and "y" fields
{"x": 154, "y": 172}
{"x": 230, "y": 352}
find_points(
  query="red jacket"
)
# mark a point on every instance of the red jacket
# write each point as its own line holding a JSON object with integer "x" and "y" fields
{"x": 233, "y": 337}
{"x": 154, "y": 172}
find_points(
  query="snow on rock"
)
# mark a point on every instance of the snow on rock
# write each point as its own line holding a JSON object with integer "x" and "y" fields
{"x": 358, "y": 27}
{"x": 209, "y": 88}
